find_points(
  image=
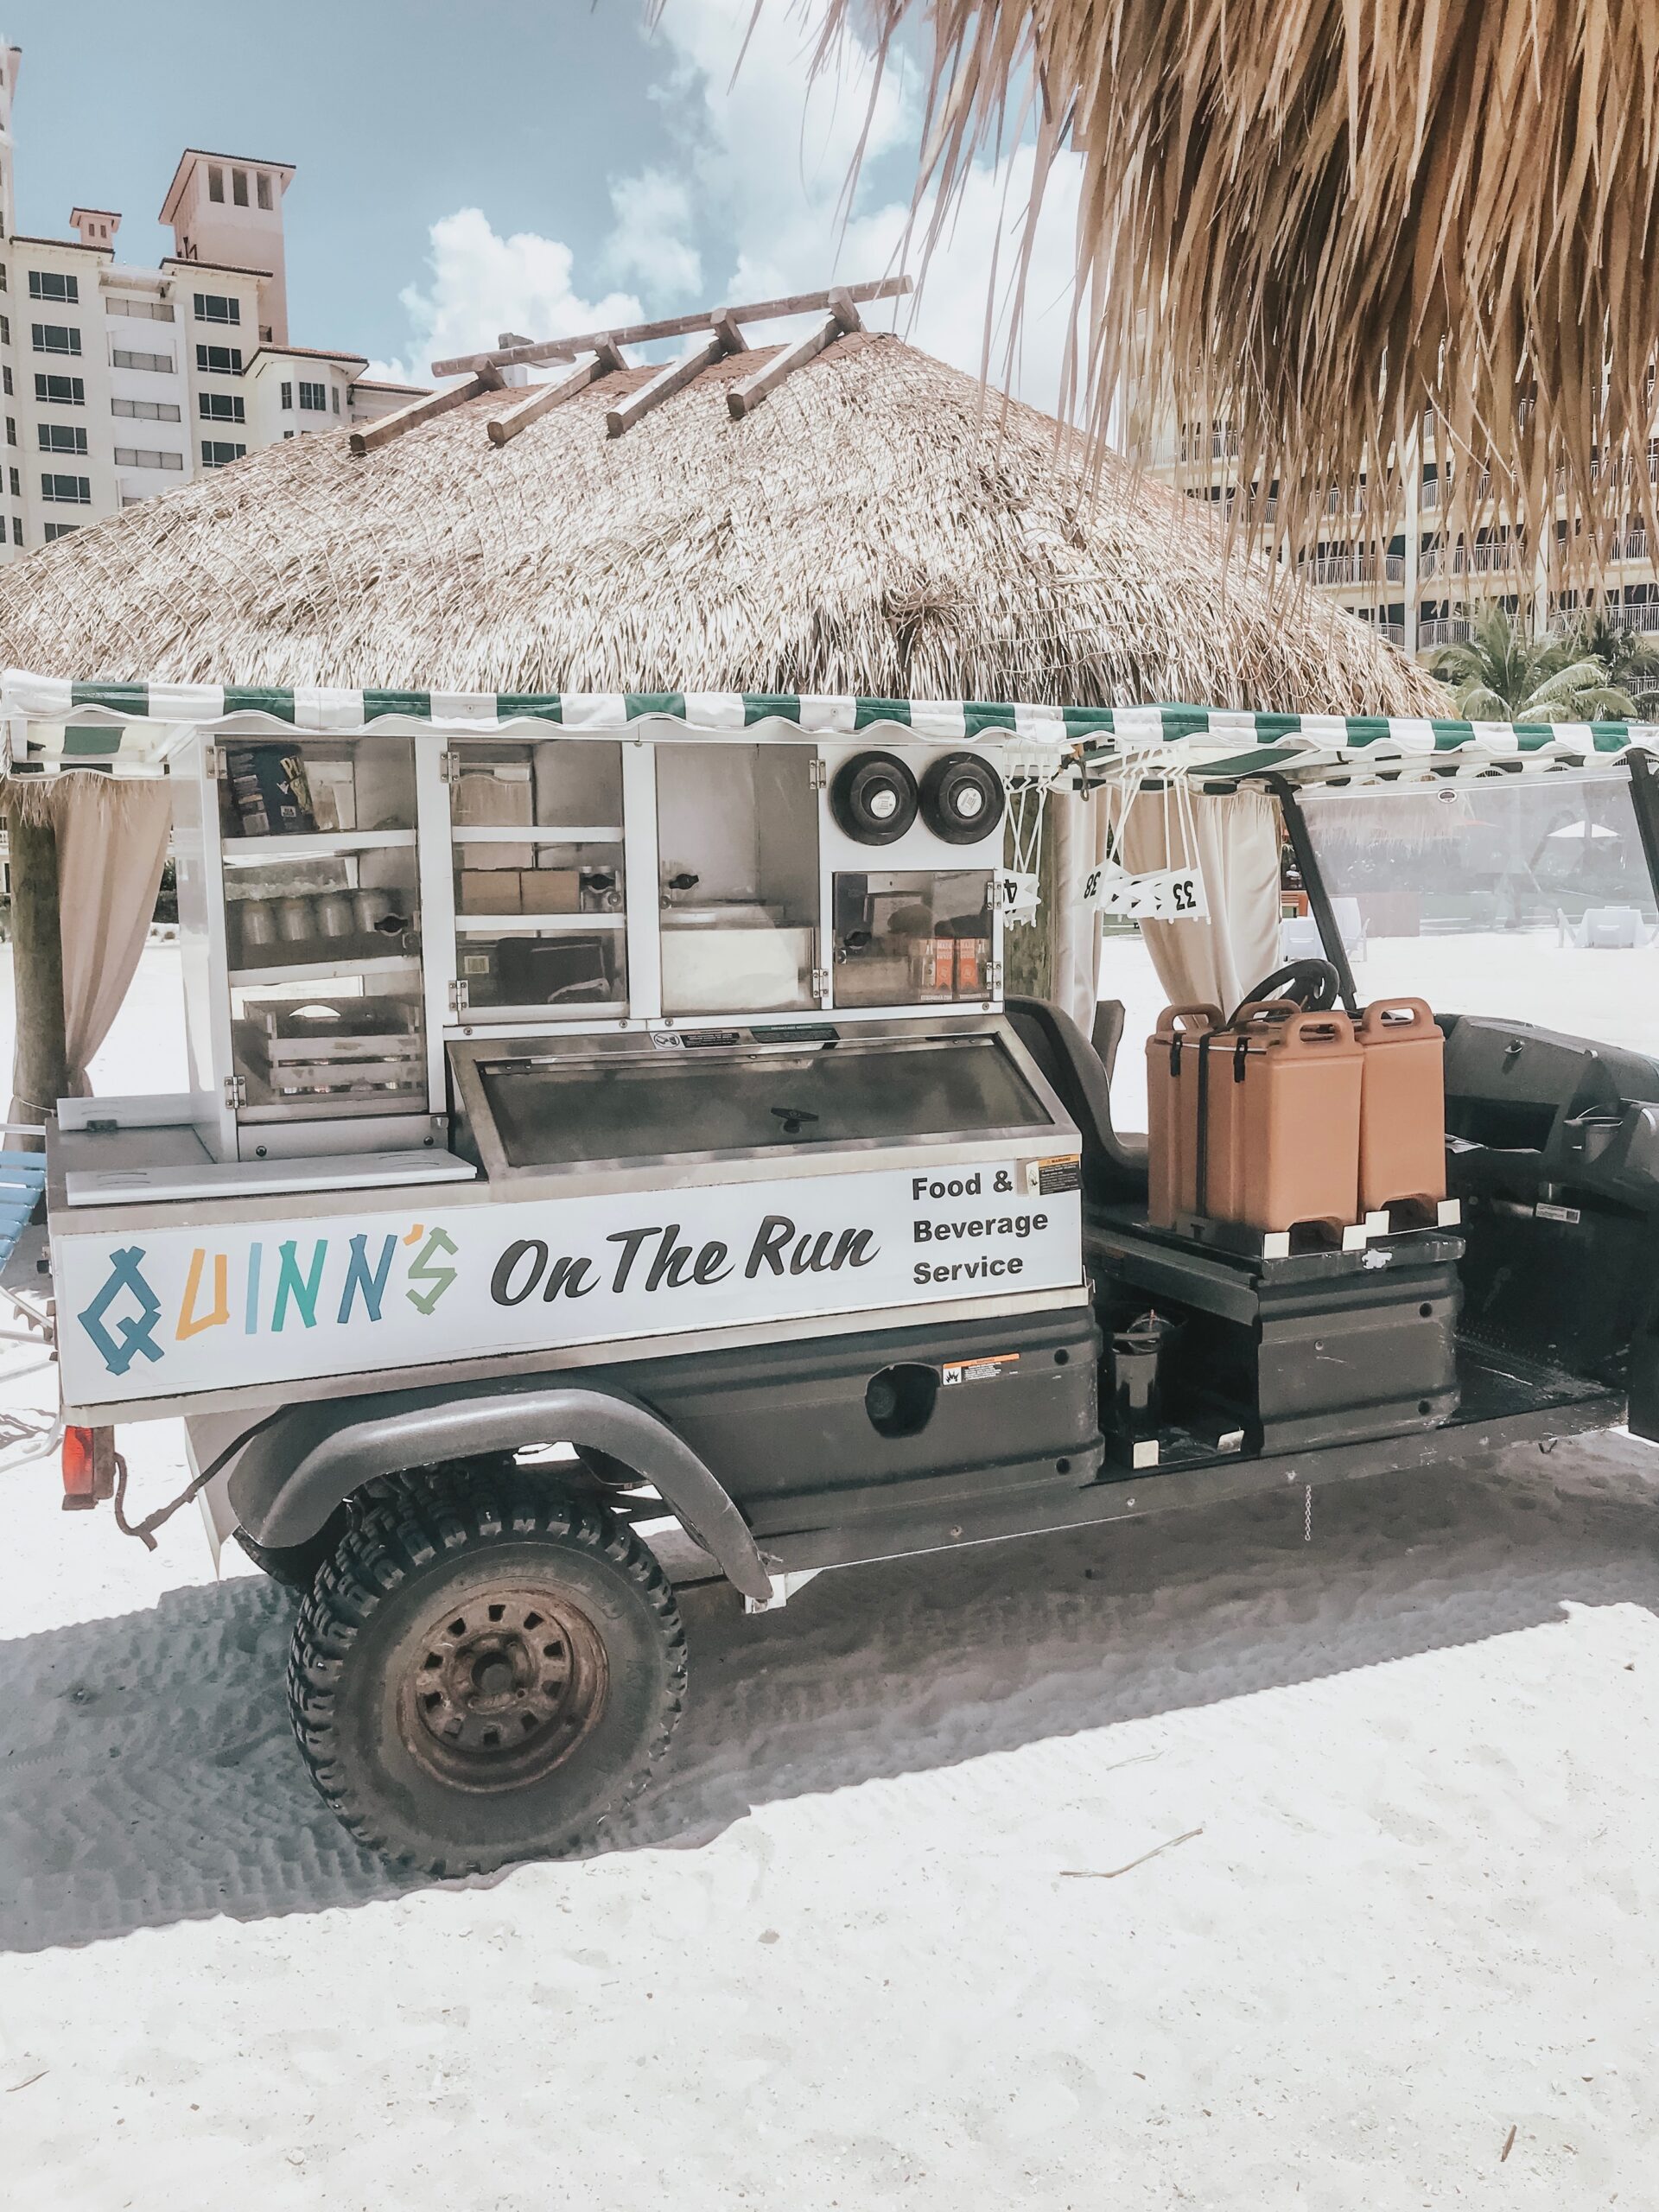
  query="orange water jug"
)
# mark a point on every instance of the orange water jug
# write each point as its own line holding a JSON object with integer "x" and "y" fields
{"x": 1279, "y": 1120}
{"x": 1403, "y": 1107}
{"x": 1173, "y": 1082}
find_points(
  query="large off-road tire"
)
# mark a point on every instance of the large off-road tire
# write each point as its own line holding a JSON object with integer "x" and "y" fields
{"x": 485, "y": 1670}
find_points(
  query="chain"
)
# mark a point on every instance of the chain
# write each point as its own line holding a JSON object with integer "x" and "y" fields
{"x": 1307, "y": 1513}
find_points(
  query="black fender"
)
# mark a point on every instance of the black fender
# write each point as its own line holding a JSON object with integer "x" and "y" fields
{"x": 301, "y": 1463}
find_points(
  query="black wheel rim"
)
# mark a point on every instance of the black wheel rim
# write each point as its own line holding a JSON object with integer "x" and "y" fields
{"x": 499, "y": 1688}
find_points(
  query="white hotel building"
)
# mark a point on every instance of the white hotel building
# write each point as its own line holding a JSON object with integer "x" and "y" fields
{"x": 121, "y": 382}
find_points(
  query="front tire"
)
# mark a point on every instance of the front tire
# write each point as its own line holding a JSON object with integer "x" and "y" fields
{"x": 485, "y": 1670}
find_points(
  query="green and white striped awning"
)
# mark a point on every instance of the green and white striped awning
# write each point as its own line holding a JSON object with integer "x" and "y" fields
{"x": 131, "y": 728}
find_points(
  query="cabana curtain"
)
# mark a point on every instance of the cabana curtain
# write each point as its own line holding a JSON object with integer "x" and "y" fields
{"x": 112, "y": 840}
{"x": 1213, "y": 962}
{"x": 112, "y": 848}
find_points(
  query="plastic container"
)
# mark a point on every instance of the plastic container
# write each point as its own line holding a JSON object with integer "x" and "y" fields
{"x": 1173, "y": 1110}
{"x": 295, "y": 920}
{"x": 1133, "y": 1410}
{"x": 1403, "y": 1107}
{"x": 1281, "y": 1120}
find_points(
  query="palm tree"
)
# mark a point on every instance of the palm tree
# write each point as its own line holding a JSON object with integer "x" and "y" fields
{"x": 1631, "y": 660}
{"x": 1500, "y": 676}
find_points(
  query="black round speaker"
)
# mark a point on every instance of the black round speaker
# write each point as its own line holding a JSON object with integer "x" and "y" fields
{"x": 962, "y": 798}
{"x": 874, "y": 797}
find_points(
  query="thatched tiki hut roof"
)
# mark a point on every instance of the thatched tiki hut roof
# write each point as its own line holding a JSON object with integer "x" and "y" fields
{"x": 877, "y": 527}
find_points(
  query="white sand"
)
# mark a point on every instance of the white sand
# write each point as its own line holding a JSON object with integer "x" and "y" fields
{"x": 859, "y": 1953}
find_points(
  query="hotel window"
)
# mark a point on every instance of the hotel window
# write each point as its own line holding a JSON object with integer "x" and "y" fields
{"x": 2, "y": 276}
{"x": 147, "y": 457}
{"x": 61, "y": 437}
{"x": 222, "y": 407}
{"x": 56, "y": 338}
{"x": 17, "y": 485}
{"x": 216, "y": 452}
{"x": 219, "y": 361}
{"x": 140, "y": 310}
{"x": 215, "y": 184}
{"x": 11, "y": 431}
{"x": 54, "y": 529}
{"x": 146, "y": 411}
{"x": 334, "y": 396}
{"x": 288, "y": 394}
{"x": 58, "y": 391}
{"x": 265, "y": 200}
{"x": 17, "y": 529}
{"x": 5, "y": 330}
{"x": 215, "y": 306}
{"x": 239, "y": 188}
{"x": 52, "y": 284}
{"x": 314, "y": 396}
{"x": 160, "y": 364}
{"x": 67, "y": 491}
{"x": 5, "y": 382}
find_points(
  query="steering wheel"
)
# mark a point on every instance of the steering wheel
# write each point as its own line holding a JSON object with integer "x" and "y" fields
{"x": 1311, "y": 984}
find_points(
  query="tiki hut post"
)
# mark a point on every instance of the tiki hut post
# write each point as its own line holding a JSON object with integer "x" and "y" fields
{"x": 40, "y": 1064}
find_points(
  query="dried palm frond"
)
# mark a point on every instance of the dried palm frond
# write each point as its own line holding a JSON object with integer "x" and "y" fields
{"x": 866, "y": 531}
{"x": 1316, "y": 222}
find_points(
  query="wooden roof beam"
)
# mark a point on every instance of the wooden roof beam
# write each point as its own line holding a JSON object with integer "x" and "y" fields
{"x": 743, "y": 398}
{"x": 606, "y": 358}
{"x": 486, "y": 377}
{"x": 680, "y": 326}
{"x": 724, "y": 338}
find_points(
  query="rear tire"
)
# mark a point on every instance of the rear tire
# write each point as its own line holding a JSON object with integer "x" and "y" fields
{"x": 485, "y": 1670}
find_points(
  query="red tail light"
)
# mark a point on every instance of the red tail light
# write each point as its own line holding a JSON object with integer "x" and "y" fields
{"x": 88, "y": 1467}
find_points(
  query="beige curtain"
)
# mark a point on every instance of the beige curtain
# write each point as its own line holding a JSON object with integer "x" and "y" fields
{"x": 1215, "y": 961}
{"x": 112, "y": 846}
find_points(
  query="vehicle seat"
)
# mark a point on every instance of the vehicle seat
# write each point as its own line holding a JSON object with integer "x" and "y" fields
{"x": 1114, "y": 1167}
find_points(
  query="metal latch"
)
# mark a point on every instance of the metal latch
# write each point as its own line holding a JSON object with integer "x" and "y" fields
{"x": 215, "y": 763}
{"x": 236, "y": 1091}
{"x": 447, "y": 767}
{"x": 818, "y": 774}
{"x": 821, "y": 983}
{"x": 458, "y": 1002}
{"x": 994, "y": 980}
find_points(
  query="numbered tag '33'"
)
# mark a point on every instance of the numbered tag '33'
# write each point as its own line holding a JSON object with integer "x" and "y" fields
{"x": 1164, "y": 894}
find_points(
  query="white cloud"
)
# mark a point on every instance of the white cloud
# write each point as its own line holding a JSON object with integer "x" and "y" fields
{"x": 651, "y": 239}
{"x": 757, "y": 167}
{"x": 482, "y": 284}
{"x": 772, "y": 152}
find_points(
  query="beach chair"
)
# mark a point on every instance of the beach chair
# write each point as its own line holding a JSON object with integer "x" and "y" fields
{"x": 1604, "y": 928}
{"x": 23, "y": 1184}
{"x": 1299, "y": 938}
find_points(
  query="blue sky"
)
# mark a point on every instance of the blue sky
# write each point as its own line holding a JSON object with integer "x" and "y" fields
{"x": 538, "y": 165}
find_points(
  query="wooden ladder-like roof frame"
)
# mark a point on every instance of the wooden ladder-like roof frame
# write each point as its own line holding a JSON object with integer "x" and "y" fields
{"x": 716, "y": 333}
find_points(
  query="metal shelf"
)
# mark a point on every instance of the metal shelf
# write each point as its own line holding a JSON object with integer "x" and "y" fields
{"x": 481, "y": 1017}
{"x": 317, "y": 844}
{"x": 465, "y": 833}
{"x": 387, "y": 967}
{"x": 536, "y": 925}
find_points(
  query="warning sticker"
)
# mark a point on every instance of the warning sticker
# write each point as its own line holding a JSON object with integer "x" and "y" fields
{"x": 1044, "y": 1176}
{"x": 984, "y": 1370}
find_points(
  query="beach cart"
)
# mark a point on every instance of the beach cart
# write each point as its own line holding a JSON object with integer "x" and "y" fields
{"x": 609, "y": 1115}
